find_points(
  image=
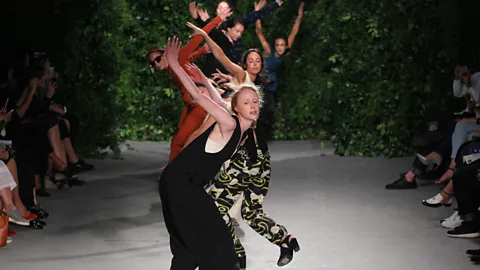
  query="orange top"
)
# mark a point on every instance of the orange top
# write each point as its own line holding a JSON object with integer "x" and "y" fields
{"x": 183, "y": 58}
{"x": 194, "y": 56}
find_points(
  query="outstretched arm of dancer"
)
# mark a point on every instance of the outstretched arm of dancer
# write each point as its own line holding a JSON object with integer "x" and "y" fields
{"x": 192, "y": 45}
{"x": 200, "y": 16}
{"x": 223, "y": 117}
{"x": 198, "y": 77}
{"x": 199, "y": 52}
{"x": 207, "y": 122}
{"x": 266, "y": 47}
{"x": 261, "y": 10}
{"x": 296, "y": 25}
{"x": 231, "y": 67}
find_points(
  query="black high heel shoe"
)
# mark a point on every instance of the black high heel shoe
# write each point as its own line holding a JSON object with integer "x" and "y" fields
{"x": 243, "y": 262}
{"x": 37, "y": 224}
{"x": 38, "y": 210}
{"x": 286, "y": 253}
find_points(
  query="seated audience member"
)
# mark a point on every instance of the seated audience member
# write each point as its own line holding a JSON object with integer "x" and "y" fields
{"x": 438, "y": 145}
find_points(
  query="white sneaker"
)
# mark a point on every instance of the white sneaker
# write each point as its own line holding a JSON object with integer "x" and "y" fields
{"x": 9, "y": 240}
{"x": 455, "y": 213}
{"x": 452, "y": 221}
{"x": 436, "y": 201}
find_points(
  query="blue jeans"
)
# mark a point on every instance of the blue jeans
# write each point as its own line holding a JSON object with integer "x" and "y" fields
{"x": 464, "y": 131}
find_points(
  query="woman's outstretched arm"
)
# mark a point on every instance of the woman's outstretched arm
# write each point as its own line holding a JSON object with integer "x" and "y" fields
{"x": 198, "y": 76}
{"x": 231, "y": 67}
{"x": 224, "y": 119}
{"x": 266, "y": 47}
{"x": 192, "y": 45}
{"x": 296, "y": 25}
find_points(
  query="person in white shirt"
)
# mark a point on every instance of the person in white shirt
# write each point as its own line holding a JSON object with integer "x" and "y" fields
{"x": 466, "y": 85}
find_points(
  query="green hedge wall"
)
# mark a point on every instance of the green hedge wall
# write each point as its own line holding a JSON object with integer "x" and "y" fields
{"x": 362, "y": 73}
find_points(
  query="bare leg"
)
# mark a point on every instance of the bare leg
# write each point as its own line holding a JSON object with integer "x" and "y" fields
{"x": 38, "y": 181}
{"x": 12, "y": 167}
{"x": 6, "y": 196}
{"x": 67, "y": 142}
{"x": 53, "y": 160}
{"x": 34, "y": 197}
{"x": 54, "y": 138}
{"x": 50, "y": 167}
{"x": 449, "y": 173}
{"x": 71, "y": 155}
{"x": 57, "y": 162}
{"x": 410, "y": 176}
{"x": 447, "y": 191}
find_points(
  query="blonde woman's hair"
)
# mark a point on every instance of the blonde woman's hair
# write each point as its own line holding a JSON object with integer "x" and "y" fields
{"x": 243, "y": 87}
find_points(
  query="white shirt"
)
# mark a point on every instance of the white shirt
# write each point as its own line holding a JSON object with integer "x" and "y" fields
{"x": 460, "y": 89}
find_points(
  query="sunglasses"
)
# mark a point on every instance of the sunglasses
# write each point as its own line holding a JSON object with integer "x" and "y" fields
{"x": 156, "y": 60}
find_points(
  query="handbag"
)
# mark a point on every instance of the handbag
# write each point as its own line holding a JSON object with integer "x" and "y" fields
{"x": 3, "y": 228}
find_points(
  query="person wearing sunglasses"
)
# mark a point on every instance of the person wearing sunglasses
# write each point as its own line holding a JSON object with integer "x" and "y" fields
{"x": 193, "y": 115}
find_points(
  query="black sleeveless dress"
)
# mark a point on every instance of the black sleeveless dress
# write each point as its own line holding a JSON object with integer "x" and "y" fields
{"x": 198, "y": 233}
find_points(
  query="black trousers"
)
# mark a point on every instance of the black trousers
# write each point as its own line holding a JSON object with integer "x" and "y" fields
{"x": 26, "y": 175}
{"x": 439, "y": 141}
{"x": 467, "y": 188}
{"x": 198, "y": 234}
{"x": 267, "y": 117}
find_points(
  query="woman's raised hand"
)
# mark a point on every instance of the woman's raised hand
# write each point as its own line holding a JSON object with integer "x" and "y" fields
{"x": 225, "y": 13}
{"x": 220, "y": 77}
{"x": 203, "y": 15}
{"x": 195, "y": 73}
{"x": 300, "y": 8}
{"x": 207, "y": 48}
{"x": 258, "y": 6}
{"x": 193, "y": 7}
{"x": 172, "y": 49}
{"x": 196, "y": 31}
{"x": 51, "y": 89}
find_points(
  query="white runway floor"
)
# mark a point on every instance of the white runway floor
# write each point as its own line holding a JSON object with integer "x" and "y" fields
{"x": 336, "y": 207}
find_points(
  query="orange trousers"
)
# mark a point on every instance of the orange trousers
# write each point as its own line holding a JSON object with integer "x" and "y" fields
{"x": 192, "y": 118}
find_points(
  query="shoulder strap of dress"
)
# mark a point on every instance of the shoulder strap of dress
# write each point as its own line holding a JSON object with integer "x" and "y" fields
{"x": 247, "y": 78}
{"x": 261, "y": 142}
{"x": 209, "y": 130}
{"x": 236, "y": 120}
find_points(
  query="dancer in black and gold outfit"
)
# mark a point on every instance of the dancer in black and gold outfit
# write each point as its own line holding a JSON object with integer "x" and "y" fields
{"x": 248, "y": 171}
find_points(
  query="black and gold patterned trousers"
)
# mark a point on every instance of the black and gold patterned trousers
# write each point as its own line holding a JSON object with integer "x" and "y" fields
{"x": 238, "y": 175}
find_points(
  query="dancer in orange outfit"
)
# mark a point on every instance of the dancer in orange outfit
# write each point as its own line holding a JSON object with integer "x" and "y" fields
{"x": 193, "y": 115}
